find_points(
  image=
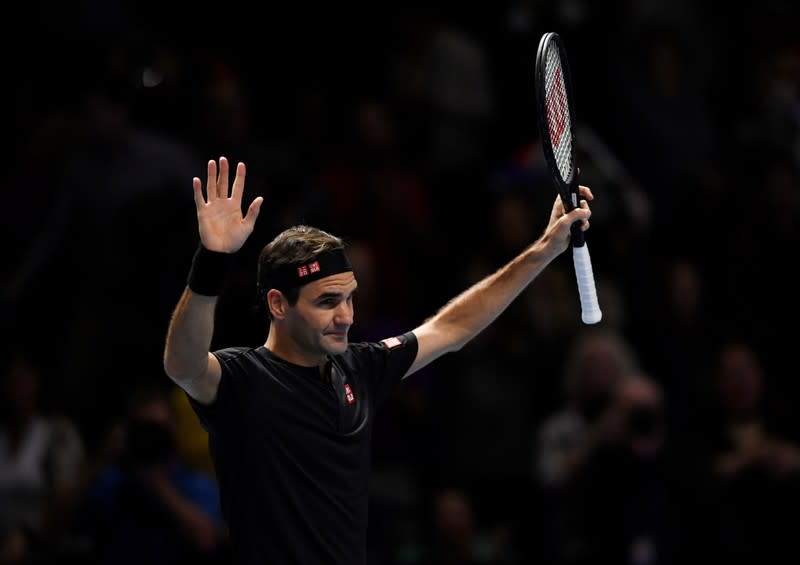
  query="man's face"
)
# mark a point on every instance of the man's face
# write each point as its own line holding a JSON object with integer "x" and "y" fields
{"x": 322, "y": 317}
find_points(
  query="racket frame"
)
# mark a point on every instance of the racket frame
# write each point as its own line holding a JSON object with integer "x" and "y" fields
{"x": 568, "y": 189}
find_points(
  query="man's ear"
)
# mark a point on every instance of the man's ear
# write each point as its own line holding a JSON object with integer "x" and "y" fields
{"x": 276, "y": 302}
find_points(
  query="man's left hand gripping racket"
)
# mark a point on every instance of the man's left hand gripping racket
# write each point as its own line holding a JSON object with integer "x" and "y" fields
{"x": 555, "y": 112}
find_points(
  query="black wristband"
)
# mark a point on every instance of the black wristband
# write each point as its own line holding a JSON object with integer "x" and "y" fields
{"x": 209, "y": 271}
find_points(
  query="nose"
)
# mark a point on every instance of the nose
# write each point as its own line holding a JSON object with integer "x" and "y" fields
{"x": 344, "y": 314}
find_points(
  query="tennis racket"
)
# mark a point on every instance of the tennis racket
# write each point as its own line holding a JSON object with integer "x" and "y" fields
{"x": 556, "y": 116}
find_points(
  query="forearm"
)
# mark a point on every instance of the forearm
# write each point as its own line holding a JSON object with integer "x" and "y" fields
{"x": 189, "y": 336}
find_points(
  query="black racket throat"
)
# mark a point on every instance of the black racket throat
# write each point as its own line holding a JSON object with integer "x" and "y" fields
{"x": 577, "y": 238}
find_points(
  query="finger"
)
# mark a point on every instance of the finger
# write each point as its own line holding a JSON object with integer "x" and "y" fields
{"x": 222, "y": 180}
{"x": 197, "y": 186}
{"x": 581, "y": 214}
{"x": 211, "y": 182}
{"x": 252, "y": 212}
{"x": 238, "y": 183}
{"x": 586, "y": 192}
{"x": 558, "y": 206}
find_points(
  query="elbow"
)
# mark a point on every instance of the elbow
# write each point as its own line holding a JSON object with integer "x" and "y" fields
{"x": 170, "y": 367}
{"x": 178, "y": 371}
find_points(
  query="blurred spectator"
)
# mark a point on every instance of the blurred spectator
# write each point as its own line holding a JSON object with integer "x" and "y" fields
{"x": 773, "y": 127}
{"x": 120, "y": 188}
{"x": 41, "y": 455}
{"x": 765, "y": 238}
{"x": 462, "y": 96}
{"x": 486, "y": 398}
{"x": 678, "y": 347}
{"x": 752, "y": 467}
{"x": 375, "y": 193}
{"x": 600, "y": 461}
{"x": 664, "y": 130}
{"x": 597, "y": 362}
{"x": 146, "y": 505}
{"x": 458, "y": 536}
{"x": 445, "y": 73}
{"x": 191, "y": 440}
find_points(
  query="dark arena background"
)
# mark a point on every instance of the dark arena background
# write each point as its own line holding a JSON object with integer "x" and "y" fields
{"x": 666, "y": 434}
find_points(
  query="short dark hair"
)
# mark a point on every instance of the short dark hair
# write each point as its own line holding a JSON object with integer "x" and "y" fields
{"x": 296, "y": 244}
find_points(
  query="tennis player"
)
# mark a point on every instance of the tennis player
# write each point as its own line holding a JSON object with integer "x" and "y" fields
{"x": 290, "y": 422}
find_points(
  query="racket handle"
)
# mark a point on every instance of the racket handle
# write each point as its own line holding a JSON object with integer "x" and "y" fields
{"x": 577, "y": 237}
{"x": 590, "y": 308}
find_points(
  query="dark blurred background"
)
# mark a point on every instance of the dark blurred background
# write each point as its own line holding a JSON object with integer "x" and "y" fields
{"x": 668, "y": 433}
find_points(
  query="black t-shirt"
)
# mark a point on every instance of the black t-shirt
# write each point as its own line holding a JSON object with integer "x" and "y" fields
{"x": 292, "y": 450}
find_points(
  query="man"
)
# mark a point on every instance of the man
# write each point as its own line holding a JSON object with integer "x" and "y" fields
{"x": 146, "y": 505}
{"x": 290, "y": 422}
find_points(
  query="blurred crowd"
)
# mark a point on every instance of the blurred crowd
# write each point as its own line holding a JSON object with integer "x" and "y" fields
{"x": 668, "y": 433}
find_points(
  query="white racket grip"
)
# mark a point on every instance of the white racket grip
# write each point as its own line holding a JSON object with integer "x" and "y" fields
{"x": 590, "y": 309}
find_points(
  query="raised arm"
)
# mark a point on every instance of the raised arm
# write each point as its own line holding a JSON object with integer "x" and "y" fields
{"x": 223, "y": 230}
{"x": 466, "y": 315}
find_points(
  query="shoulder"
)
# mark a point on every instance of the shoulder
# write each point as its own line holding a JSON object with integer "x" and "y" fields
{"x": 240, "y": 355}
{"x": 380, "y": 364}
{"x": 245, "y": 367}
{"x": 381, "y": 349}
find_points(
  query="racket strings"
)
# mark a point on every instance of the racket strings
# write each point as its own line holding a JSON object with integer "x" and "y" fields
{"x": 558, "y": 113}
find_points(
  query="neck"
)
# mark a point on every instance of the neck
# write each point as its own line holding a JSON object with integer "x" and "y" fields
{"x": 288, "y": 350}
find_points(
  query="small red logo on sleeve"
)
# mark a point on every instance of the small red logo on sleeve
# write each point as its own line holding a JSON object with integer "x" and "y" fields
{"x": 351, "y": 398}
{"x": 391, "y": 342}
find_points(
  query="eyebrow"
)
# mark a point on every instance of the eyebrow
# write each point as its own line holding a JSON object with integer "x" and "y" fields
{"x": 327, "y": 295}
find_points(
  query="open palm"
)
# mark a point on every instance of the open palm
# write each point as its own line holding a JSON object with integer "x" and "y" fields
{"x": 219, "y": 215}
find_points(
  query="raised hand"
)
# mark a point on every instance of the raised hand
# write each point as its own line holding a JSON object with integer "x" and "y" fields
{"x": 561, "y": 221}
{"x": 219, "y": 215}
